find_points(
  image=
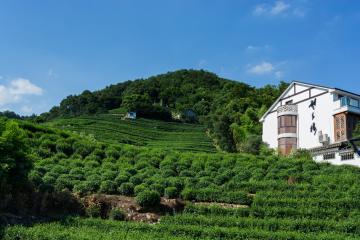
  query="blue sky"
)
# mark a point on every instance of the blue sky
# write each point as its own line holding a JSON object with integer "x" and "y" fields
{"x": 51, "y": 49}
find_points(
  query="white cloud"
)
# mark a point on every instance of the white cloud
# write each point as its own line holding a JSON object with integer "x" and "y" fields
{"x": 260, "y": 9}
{"x": 267, "y": 68}
{"x": 253, "y": 48}
{"x": 16, "y": 89}
{"x": 261, "y": 68}
{"x": 22, "y": 86}
{"x": 279, "y": 8}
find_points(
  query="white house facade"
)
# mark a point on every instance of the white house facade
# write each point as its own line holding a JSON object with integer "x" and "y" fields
{"x": 318, "y": 118}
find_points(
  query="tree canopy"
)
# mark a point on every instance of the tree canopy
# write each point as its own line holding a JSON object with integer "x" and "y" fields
{"x": 230, "y": 109}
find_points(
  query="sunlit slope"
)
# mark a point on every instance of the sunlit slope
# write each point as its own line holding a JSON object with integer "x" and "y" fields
{"x": 141, "y": 132}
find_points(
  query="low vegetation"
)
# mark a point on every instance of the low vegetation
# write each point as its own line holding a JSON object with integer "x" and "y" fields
{"x": 275, "y": 197}
{"x": 110, "y": 128}
{"x": 230, "y": 110}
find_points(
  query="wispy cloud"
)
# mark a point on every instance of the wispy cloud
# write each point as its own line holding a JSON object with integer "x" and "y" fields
{"x": 261, "y": 68}
{"x": 51, "y": 74}
{"x": 265, "y": 68}
{"x": 278, "y": 8}
{"x": 16, "y": 89}
{"x": 254, "y": 48}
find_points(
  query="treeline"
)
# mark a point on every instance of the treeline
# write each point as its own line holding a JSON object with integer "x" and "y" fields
{"x": 13, "y": 115}
{"x": 230, "y": 109}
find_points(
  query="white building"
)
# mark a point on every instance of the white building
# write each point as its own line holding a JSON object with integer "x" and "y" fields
{"x": 318, "y": 118}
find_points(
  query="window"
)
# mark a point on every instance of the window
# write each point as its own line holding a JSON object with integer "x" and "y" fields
{"x": 347, "y": 156}
{"x": 348, "y": 101}
{"x": 287, "y": 124}
{"x": 329, "y": 156}
{"x": 354, "y": 102}
{"x": 289, "y": 102}
{"x": 340, "y": 127}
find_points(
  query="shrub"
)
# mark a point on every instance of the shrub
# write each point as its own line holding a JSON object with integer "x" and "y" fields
{"x": 93, "y": 211}
{"x": 171, "y": 192}
{"x": 136, "y": 180}
{"x": 148, "y": 198}
{"x": 109, "y": 175}
{"x": 126, "y": 189}
{"x": 85, "y": 187}
{"x": 112, "y": 153}
{"x": 107, "y": 187}
{"x": 117, "y": 214}
{"x": 157, "y": 187}
{"x": 64, "y": 147}
{"x": 121, "y": 178}
{"x": 140, "y": 188}
{"x": 188, "y": 194}
{"x": 83, "y": 148}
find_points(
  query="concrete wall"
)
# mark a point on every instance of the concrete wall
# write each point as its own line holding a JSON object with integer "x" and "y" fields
{"x": 338, "y": 161}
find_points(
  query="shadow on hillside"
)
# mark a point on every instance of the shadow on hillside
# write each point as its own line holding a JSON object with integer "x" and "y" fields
{"x": 28, "y": 207}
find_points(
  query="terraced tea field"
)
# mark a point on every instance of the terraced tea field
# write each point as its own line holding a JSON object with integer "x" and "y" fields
{"x": 206, "y": 222}
{"x": 141, "y": 132}
{"x": 228, "y": 196}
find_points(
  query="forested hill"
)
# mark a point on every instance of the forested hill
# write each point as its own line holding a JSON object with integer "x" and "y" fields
{"x": 229, "y": 109}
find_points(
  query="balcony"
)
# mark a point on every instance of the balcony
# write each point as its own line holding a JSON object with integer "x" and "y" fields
{"x": 347, "y": 104}
{"x": 348, "y": 101}
{"x": 290, "y": 109}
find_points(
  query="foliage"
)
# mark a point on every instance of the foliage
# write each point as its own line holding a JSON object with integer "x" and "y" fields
{"x": 117, "y": 214}
{"x": 231, "y": 110}
{"x": 148, "y": 198}
{"x": 93, "y": 211}
{"x": 142, "y": 132}
{"x": 171, "y": 192}
{"x": 356, "y": 132}
{"x": 237, "y": 196}
{"x": 15, "y": 164}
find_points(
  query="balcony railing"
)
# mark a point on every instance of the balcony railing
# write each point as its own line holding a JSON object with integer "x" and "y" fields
{"x": 289, "y": 109}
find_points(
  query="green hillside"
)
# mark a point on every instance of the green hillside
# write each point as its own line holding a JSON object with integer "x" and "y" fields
{"x": 111, "y": 128}
{"x": 229, "y": 109}
{"x": 229, "y": 196}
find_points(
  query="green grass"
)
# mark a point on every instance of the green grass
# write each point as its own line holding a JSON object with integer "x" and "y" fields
{"x": 111, "y": 128}
{"x": 188, "y": 227}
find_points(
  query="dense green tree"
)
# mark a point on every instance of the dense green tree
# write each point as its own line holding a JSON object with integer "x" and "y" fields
{"x": 14, "y": 162}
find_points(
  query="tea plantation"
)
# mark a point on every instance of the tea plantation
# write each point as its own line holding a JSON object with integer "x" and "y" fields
{"x": 111, "y": 128}
{"x": 276, "y": 197}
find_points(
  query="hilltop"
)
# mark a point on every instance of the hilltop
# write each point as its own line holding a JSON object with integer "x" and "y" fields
{"x": 230, "y": 110}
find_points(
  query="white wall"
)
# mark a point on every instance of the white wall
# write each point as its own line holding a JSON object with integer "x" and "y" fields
{"x": 338, "y": 161}
{"x": 270, "y": 129}
{"x": 323, "y": 119}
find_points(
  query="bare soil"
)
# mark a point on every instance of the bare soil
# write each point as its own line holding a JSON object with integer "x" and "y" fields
{"x": 132, "y": 210}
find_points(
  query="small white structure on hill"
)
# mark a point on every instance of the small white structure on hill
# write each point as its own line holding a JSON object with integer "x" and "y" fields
{"x": 131, "y": 115}
{"x": 318, "y": 118}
